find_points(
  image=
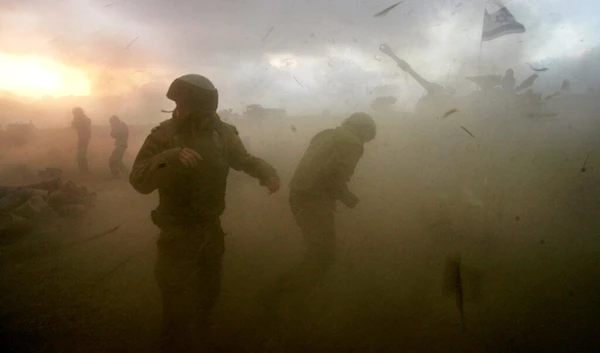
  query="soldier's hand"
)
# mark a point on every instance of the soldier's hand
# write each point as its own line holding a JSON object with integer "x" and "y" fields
{"x": 272, "y": 184}
{"x": 351, "y": 201}
{"x": 189, "y": 158}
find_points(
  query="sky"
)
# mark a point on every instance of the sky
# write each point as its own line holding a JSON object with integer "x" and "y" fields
{"x": 301, "y": 55}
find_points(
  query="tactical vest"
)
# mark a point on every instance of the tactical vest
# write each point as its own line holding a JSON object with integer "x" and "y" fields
{"x": 196, "y": 195}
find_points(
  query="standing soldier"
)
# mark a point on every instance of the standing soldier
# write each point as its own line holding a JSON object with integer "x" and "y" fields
{"x": 120, "y": 132}
{"x": 187, "y": 158}
{"x": 83, "y": 125}
{"x": 508, "y": 81}
{"x": 319, "y": 181}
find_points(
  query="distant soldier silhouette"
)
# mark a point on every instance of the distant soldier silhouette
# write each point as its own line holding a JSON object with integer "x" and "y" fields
{"x": 508, "y": 81}
{"x": 120, "y": 132}
{"x": 83, "y": 125}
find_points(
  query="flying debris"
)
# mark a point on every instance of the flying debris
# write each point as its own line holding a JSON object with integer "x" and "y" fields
{"x": 550, "y": 96}
{"x": 293, "y": 128}
{"x": 388, "y": 9}
{"x": 528, "y": 82}
{"x": 454, "y": 284}
{"x": 486, "y": 81}
{"x": 451, "y": 111}
{"x": 538, "y": 70}
{"x": 583, "y": 169}
{"x": 130, "y": 43}
{"x": 467, "y": 131}
{"x": 264, "y": 38}
{"x": 298, "y": 81}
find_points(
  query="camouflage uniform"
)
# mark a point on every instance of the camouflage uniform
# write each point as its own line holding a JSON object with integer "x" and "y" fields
{"x": 191, "y": 241}
{"x": 120, "y": 132}
{"x": 83, "y": 125}
{"x": 319, "y": 181}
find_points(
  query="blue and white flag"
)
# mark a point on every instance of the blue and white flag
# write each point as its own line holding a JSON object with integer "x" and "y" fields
{"x": 499, "y": 23}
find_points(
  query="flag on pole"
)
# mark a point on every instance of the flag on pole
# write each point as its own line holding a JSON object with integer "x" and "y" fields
{"x": 499, "y": 23}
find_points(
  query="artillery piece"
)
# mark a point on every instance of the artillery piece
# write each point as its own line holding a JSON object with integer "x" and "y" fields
{"x": 437, "y": 99}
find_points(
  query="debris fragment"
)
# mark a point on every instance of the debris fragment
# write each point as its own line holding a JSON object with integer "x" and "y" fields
{"x": 387, "y": 9}
{"x": 538, "y": 70}
{"x": 451, "y": 111}
{"x": 293, "y": 128}
{"x": 130, "y": 43}
{"x": 550, "y": 96}
{"x": 468, "y": 132}
{"x": 454, "y": 283}
{"x": 298, "y": 81}
{"x": 583, "y": 169}
{"x": 112, "y": 230}
{"x": 264, "y": 38}
{"x": 528, "y": 82}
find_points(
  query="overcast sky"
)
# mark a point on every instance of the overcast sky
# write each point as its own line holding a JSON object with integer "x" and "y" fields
{"x": 302, "y": 55}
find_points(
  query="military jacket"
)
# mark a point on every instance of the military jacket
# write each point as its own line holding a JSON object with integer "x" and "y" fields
{"x": 328, "y": 163}
{"x": 192, "y": 195}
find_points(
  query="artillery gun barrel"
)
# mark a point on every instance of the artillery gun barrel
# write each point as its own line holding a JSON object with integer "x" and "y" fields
{"x": 431, "y": 88}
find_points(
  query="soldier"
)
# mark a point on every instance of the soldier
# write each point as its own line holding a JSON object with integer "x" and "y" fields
{"x": 120, "y": 132}
{"x": 187, "y": 158}
{"x": 83, "y": 125}
{"x": 508, "y": 81}
{"x": 319, "y": 181}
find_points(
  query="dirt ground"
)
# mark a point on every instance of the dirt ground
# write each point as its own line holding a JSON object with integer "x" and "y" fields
{"x": 512, "y": 201}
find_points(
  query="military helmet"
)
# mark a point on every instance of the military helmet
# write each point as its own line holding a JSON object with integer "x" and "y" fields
{"x": 196, "y": 90}
{"x": 364, "y": 123}
{"x": 77, "y": 111}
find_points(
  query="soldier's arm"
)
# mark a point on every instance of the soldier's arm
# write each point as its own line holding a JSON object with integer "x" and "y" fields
{"x": 241, "y": 160}
{"x": 152, "y": 164}
{"x": 342, "y": 166}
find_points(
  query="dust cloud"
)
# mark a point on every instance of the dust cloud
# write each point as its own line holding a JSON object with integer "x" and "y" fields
{"x": 513, "y": 192}
{"x": 511, "y": 199}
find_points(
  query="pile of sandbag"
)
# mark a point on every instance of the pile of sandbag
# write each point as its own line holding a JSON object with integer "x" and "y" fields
{"x": 22, "y": 208}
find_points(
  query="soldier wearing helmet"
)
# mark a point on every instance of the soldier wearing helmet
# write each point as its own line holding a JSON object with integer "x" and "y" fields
{"x": 320, "y": 180}
{"x": 508, "y": 81}
{"x": 83, "y": 125}
{"x": 187, "y": 159}
{"x": 120, "y": 132}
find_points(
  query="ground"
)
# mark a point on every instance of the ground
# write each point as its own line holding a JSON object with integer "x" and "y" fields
{"x": 512, "y": 201}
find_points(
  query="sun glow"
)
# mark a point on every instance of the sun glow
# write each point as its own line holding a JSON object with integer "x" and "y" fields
{"x": 35, "y": 77}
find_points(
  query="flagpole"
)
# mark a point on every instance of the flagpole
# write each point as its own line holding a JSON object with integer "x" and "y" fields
{"x": 479, "y": 63}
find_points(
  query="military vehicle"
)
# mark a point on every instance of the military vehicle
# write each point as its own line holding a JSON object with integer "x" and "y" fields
{"x": 18, "y": 134}
{"x": 259, "y": 114}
